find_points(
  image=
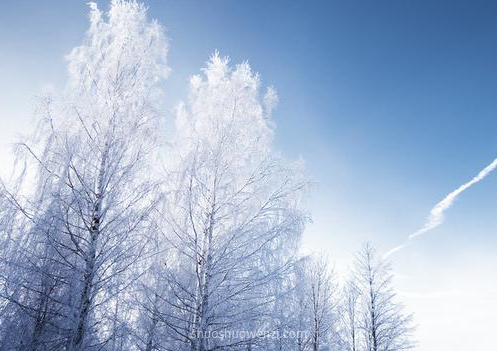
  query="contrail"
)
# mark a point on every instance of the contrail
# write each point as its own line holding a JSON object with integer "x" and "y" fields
{"x": 395, "y": 249}
{"x": 437, "y": 213}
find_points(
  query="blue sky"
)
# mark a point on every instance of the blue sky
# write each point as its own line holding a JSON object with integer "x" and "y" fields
{"x": 392, "y": 105}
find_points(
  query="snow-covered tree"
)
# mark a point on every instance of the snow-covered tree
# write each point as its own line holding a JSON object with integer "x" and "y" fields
{"x": 322, "y": 291}
{"x": 83, "y": 221}
{"x": 233, "y": 218}
{"x": 384, "y": 324}
{"x": 349, "y": 315}
{"x": 314, "y": 307}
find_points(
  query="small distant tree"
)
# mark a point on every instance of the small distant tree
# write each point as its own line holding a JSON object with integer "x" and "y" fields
{"x": 322, "y": 286}
{"x": 349, "y": 317}
{"x": 383, "y": 323}
{"x": 315, "y": 305}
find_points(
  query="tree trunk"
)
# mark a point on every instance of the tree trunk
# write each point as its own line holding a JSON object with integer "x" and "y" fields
{"x": 78, "y": 338}
{"x": 203, "y": 291}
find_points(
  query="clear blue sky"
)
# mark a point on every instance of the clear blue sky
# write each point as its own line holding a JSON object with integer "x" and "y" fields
{"x": 392, "y": 104}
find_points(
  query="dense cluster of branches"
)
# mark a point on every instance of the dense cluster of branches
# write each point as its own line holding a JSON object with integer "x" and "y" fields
{"x": 113, "y": 239}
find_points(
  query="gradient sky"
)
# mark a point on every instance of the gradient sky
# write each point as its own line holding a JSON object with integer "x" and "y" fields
{"x": 392, "y": 105}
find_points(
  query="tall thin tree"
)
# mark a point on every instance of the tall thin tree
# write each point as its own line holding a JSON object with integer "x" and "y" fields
{"x": 384, "y": 324}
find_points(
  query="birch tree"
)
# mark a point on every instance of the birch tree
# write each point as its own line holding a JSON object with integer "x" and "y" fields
{"x": 315, "y": 306}
{"x": 350, "y": 316}
{"x": 93, "y": 191}
{"x": 234, "y": 216}
{"x": 384, "y": 324}
{"x": 323, "y": 304}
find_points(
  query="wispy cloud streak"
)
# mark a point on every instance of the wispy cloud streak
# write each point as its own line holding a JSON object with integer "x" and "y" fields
{"x": 436, "y": 215}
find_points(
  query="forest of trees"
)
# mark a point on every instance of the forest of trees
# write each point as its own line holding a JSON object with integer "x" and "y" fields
{"x": 117, "y": 234}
